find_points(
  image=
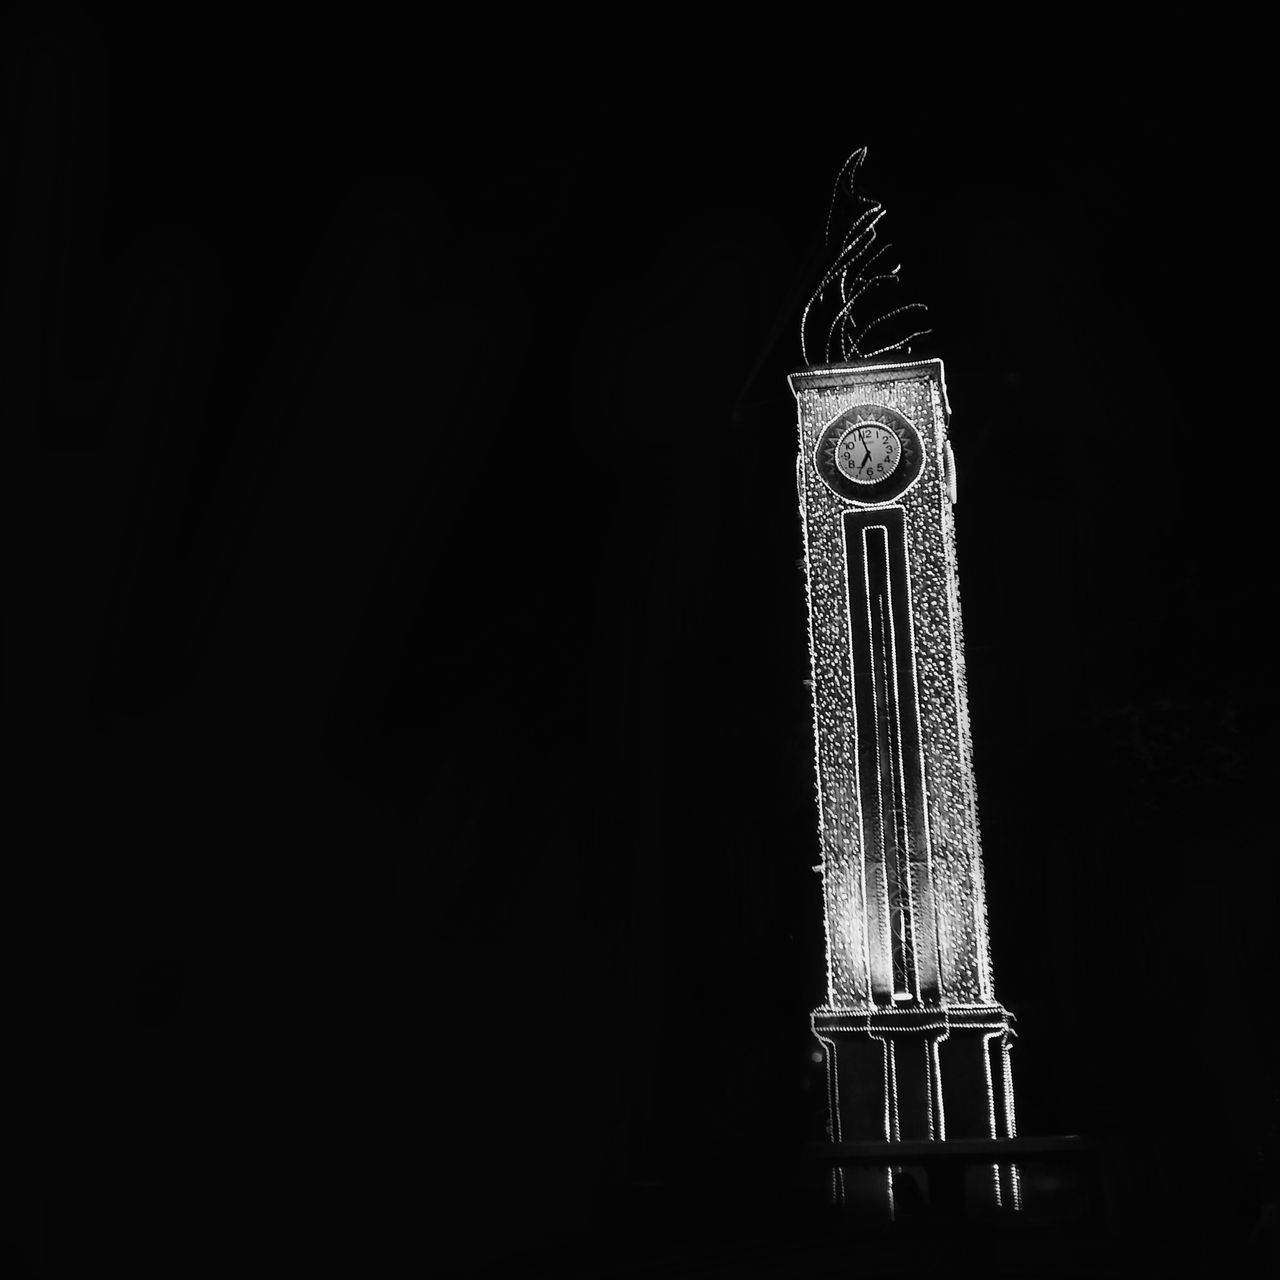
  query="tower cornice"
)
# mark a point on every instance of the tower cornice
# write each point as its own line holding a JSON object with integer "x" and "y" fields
{"x": 832, "y": 376}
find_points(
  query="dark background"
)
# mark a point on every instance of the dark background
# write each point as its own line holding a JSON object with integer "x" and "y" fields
{"x": 406, "y": 644}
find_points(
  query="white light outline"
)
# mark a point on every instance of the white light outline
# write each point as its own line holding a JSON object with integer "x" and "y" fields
{"x": 890, "y": 1092}
{"x": 895, "y": 497}
{"x": 925, "y": 821}
{"x": 854, "y": 259}
{"x": 849, "y": 373}
{"x": 919, "y": 759}
{"x": 1010, "y": 1115}
{"x": 964, "y": 741}
{"x": 884, "y": 904}
{"x": 913, "y": 965}
{"x": 833, "y": 1110}
{"x": 991, "y": 1109}
{"x": 891, "y": 1086}
{"x": 860, "y": 816}
{"x": 854, "y": 426}
{"x": 889, "y": 673}
{"x": 935, "y": 1062}
{"x": 930, "y": 1118}
{"x": 941, "y": 1023}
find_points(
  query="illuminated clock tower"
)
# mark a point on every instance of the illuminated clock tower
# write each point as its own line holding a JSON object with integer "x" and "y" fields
{"x": 916, "y": 1042}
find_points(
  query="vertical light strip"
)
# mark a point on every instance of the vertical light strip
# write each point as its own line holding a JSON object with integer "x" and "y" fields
{"x": 833, "y": 1110}
{"x": 902, "y": 826}
{"x": 867, "y": 984}
{"x": 934, "y": 1046}
{"x": 991, "y": 1108}
{"x": 891, "y": 1077}
{"x": 896, "y": 852}
{"x": 924, "y": 915}
{"x": 1010, "y": 1119}
{"x": 885, "y": 899}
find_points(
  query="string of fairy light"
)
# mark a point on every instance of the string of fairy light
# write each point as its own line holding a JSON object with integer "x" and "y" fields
{"x": 857, "y": 275}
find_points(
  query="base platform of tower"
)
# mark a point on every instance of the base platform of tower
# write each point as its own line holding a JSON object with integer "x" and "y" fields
{"x": 1058, "y": 1179}
{"x": 912, "y": 1076}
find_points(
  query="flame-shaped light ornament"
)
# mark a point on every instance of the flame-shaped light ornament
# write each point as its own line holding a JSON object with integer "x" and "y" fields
{"x": 853, "y": 284}
{"x": 916, "y": 1043}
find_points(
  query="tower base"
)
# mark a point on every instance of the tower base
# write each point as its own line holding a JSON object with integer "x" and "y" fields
{"x": 918, "y": 1074}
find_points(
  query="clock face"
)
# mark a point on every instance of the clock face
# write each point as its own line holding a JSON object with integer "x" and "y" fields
{"x": 868, "y": 452}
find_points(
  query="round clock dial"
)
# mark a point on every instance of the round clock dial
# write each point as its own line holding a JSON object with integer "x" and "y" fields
{"x": 868, "y": 452}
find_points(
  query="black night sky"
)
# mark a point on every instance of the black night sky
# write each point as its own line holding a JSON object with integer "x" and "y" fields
{"x": 406, "y": 645}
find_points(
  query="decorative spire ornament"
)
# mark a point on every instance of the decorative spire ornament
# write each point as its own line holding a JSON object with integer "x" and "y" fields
{"x": 916, "y": 1042}
{"x": 843, "y": 319}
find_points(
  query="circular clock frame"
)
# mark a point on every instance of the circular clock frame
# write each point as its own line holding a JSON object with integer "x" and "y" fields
{"x": 869, "y": 433}
{"x": 907, "y": 471}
